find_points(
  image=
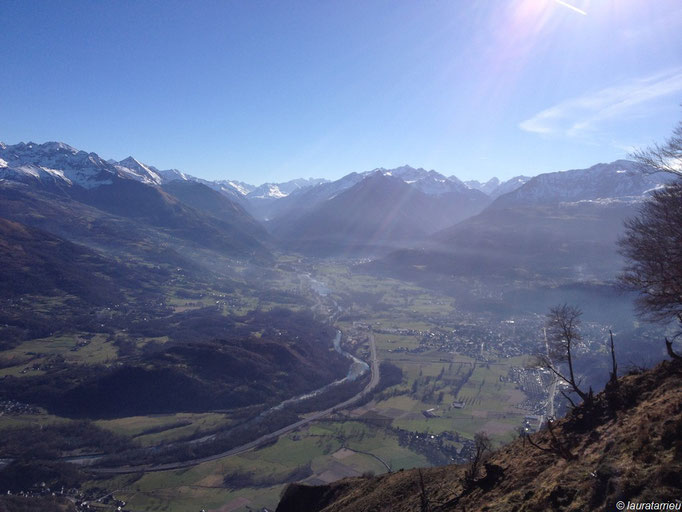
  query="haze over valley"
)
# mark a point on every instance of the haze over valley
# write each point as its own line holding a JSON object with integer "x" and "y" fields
{"x": 337, "y": 257}
{"x": 171, "y": 312}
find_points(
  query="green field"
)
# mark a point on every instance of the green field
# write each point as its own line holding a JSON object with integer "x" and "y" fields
{"x": 75, "y": 349}
{"x": 330, "y": 449}
{"x": 400, "y": 316}
{"x": 167, "y": 427}
{"x": 431, "y": 376}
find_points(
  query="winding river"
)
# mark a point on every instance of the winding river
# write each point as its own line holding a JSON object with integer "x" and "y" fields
{"x": 357, "y": 368}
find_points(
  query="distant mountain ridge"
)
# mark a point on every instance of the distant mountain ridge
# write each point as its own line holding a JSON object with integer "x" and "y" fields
{"x": 38, "y": 155}
{"x": 495, "y": 188}
{"x": 54, "y": 163}
{"x": 45, "y": 163}
{"x": 561, "y": 225}
{"x": 428, "y": 182}
{"x": 619, "y": 179}
{"x": 278, "y": 190}
{"x": 381, "y": 210}
{"x": 58, "y": 177}
{"x": 372, "y": 212}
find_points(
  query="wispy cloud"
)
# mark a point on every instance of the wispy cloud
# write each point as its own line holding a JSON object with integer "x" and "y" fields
{"x": 583, "y": 114}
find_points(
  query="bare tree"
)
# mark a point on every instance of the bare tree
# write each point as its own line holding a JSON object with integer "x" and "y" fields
{"x": 423, "y": 496}
{"x": 665, "y": 157}
{"x": 613, "y": 378}
{"x": 477, "y": 460}
{"x": 556, "y": 446}
{"x": 652, "y": 243}
{"x": 562, "y": 330}
{"x": 482, "y": 445}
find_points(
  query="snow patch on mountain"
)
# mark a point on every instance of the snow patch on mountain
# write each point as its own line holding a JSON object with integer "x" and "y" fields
{"x": 240, "y": 187}
{"x": 487, "y": 188}
{"x": 56, "y": 173}
{"x": 272, "y": 191}
{"x": 429, "y": 182}
{"x": 622, "y": 179}
{"x": 54, "y": 162}
{"x": 495, "y": 188}
{"x": 172, "y": 175}
{"x": 133, "y": 169}
{"x": 267, "y": 191}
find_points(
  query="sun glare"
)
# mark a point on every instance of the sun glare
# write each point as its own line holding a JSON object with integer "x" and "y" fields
{"x": 572, "y": 7}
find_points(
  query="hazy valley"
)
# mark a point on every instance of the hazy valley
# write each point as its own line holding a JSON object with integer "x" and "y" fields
{"x": 176, "y": 343}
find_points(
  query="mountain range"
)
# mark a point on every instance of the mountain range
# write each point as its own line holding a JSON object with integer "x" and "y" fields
{"x": 381, "y": 210}
{"x": 495, "y": 188}
{"x": 41, "y": 182}
{"x": 436, "y": 224}
{"x": 176, "y": 276}
{"x": 561, "y": 225}
{"x": 120, "y": 205}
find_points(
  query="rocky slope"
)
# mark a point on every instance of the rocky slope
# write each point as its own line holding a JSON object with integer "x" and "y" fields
{"x": 627, "y": 447}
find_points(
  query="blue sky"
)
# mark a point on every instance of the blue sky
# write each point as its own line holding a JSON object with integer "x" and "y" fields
{"x": 269, "y": 91}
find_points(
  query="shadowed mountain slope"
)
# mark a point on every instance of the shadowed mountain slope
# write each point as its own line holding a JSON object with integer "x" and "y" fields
{"x": 38, "y": 181}
{"x": 211, "y": 362}
{"x": 36, "y": 262}
{"x": 206, "y": 200}
{"x": 557, "y": 241}
{"x": 557, "y": 225}
{"x": 126, "y": 216}
{"x": 379, "y": 212}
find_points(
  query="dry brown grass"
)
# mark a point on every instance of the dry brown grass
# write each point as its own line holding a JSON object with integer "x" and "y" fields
{"x": 627, "y": 447}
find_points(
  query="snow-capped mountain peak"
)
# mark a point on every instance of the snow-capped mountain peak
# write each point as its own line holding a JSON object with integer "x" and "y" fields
{"x": 239, "y": 187}
{"x": 133, "y": 169}
{"x": 267, "y": 190}
{"x": 57, "y": 146}
{"x": 616, "y": 180}
{"x": 495, "y": 188}
{"x": 54, "y": 163}
{"x": 280, "y": 190}
{"x": 487, "y": 188}
{"x": 173, "y": 174}
{"x": 429, "y": 182}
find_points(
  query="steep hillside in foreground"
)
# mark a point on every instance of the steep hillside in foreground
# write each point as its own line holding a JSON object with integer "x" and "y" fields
{"x": 627, "y": 448}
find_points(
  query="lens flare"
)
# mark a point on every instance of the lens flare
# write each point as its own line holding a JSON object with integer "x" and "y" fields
{"x": 572, "y": 7}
